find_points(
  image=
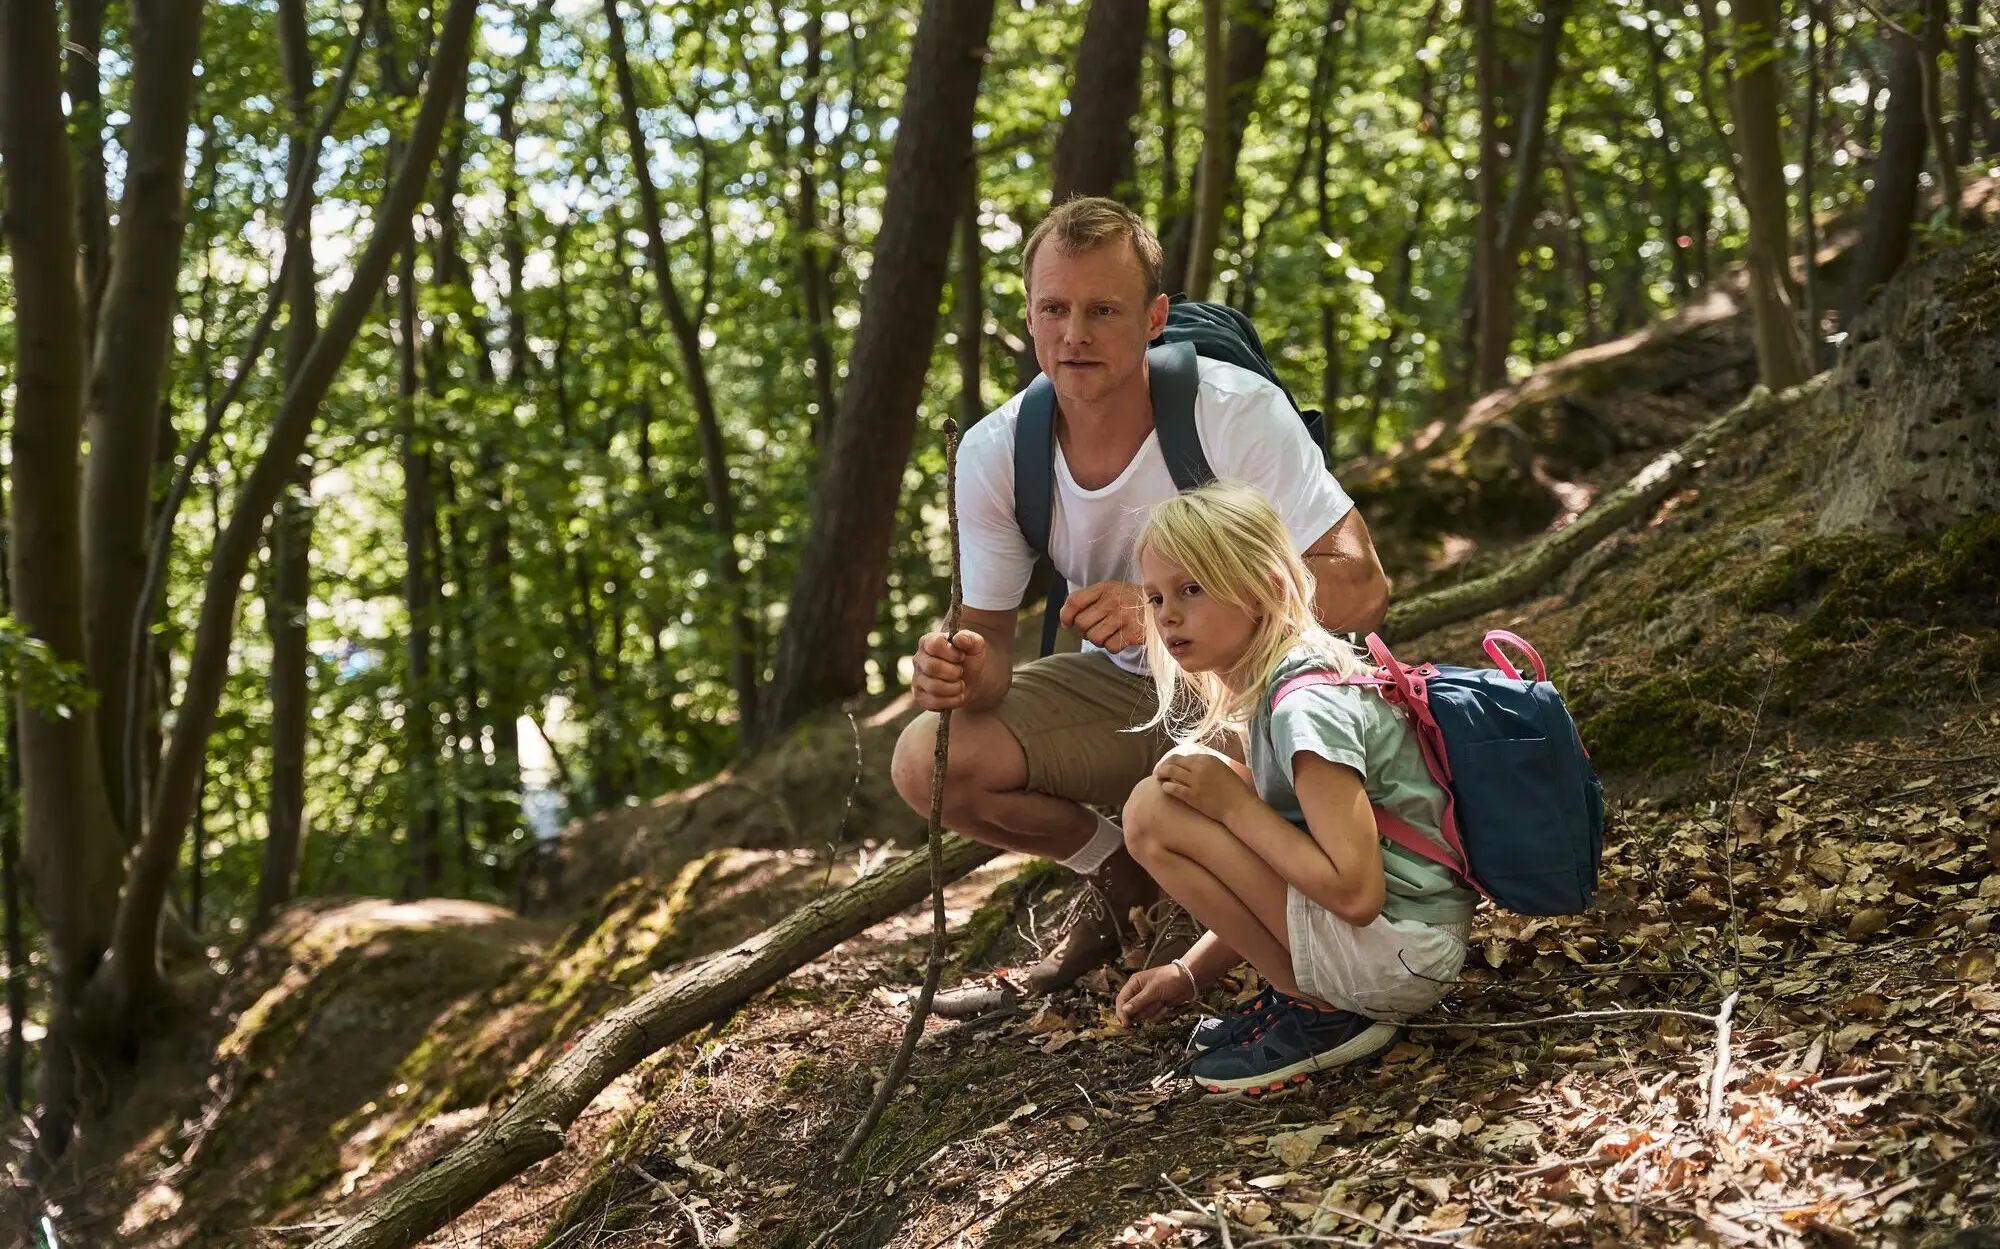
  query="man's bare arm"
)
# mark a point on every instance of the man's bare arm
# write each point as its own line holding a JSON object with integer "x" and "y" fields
{"x": 951, "y": 674}
{"x": 1351, "y": 593}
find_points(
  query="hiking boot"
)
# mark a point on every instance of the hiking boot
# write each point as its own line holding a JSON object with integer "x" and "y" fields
{"x": 1246, "y": 1017}
{"x": 1292, "y": 1041}
{"x": 1097, "y": 929}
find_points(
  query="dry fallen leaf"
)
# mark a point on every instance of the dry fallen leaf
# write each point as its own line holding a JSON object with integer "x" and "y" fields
{"x": 1251, "y": 1212}
{"x": 1867, "y": 923}
{"x": 1075, "y": 1123}
{"x": 1295, "y": 1149}
{"x": 1023, "y": 1111}
{"x": 1975, "y": 965}
{"x": 1445, "y": 1218}
{"x": 1271, "y": 1181}
{"x": 1438, "y": 1186}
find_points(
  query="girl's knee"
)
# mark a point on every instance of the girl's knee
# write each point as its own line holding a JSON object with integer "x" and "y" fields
{"x": 1142, "y": 820}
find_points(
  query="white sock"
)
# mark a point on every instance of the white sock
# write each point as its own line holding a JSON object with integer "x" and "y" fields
{"x": 1108, "y": 840}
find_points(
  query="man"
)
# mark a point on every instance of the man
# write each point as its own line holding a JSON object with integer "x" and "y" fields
{"x": 1030, "y": 747}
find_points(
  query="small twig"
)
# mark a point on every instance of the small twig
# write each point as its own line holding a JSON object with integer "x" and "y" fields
{"x": 1572, "y": 1017}
{"x": 1718, "y": 1078}
{"x": 660, "y": 1186}
{"x": 1868, "y": 1080}
{"x": 1019, "y": 1193}
{"x": 921, "y": 1009}
{"x": 1214, "y": 1211}
{"x": 1729, "y": 840}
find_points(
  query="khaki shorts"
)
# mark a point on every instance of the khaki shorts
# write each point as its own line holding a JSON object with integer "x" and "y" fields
{"x": 1072, "y": 714}
{"x": 1392, "y": 969}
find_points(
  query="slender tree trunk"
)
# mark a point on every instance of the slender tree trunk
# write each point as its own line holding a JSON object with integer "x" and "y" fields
{"x": 1808, "y": 214}
{"x": 129, "y": 362}
{"x": 815, "y": 260}
{"x": 1586, "y": 272}
{"x": 1489, "y": 366}
{"x": 1524, "y": 198}
{"x": 1893, "y": 201}
{"x": 1970, "y": 104}
{"x": 10, "y": 858}
{"x": 1781, "y": 348}
{"x": 721, "y": 498}
{"x": 69, "y": 846}
{"x": 824, "y": 648}
{"x": 1094, "y": 151}
{"x": 1233, "y": 66}
{"x": 1937, "y": 22}
{"x": 1175, "y": 213}
{"x": 1670, "y": 159}
{"x": 83, "y": 80}
{"x": 291, "y": 527}
{"x": 970, "y": 303}
{"x": 1315, "y": 148}
{"x": 136, "y": 967}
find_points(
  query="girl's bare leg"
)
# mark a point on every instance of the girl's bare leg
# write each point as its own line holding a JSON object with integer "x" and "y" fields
{"x": 1222, "y": 882}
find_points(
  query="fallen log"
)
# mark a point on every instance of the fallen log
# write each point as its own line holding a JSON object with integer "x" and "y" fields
{"x": 533, "y": 1126}
{"x": 1550, "y": 556}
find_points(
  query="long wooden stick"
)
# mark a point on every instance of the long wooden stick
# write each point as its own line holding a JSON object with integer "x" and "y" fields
{"x": 921, "y": 1010}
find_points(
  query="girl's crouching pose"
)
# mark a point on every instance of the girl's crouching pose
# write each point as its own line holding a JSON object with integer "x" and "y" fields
{"x": 1351, "y": 933}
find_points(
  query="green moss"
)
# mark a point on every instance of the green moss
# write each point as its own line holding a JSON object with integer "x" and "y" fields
{"x": 801, "y": 1074}
{"x": 1667, "y": 722}
{"x": 1973, "y": 300}
{"x": 975, "y": 941}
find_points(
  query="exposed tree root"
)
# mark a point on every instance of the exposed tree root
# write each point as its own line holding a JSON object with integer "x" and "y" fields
{"x": 1549, "y": 557}
{"x": 533, "y": 1127}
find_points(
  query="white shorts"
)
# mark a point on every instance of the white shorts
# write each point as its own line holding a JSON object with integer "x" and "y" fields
{"x": 1389, "y": 970}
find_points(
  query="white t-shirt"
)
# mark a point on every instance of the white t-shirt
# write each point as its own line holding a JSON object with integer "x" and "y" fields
{"x": 1248, "y": 433}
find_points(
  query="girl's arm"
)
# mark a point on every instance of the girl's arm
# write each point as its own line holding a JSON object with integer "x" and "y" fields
{"x": 1340, "y": 865}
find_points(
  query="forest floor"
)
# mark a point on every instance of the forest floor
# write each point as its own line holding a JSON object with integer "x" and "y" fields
{"x": 1799, "y": 739}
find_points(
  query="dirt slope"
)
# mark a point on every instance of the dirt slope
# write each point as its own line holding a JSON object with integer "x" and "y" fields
{"x": 1798, "y": 736}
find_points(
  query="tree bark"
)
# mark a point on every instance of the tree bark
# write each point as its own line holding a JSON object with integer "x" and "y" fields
{"x": 1899, "y": 162}
{"x": 128, "y": 366}
{"x": 1524, "y": 197}
{"x": 1781, "y": 348}
{"x": 1637, "y": 497}
{"x": 1808, "y": 214}
{"x": 1489, "y": 363}
{"x": 1971, "y": 102}
{"x": 687, "y": 334}
{"x": 816, "y": 260}
{"x": 824, "y": 648}
{"x": 1229, "y": 96}
{"x": 1951, "y": 190}
{"x": 1094, "y": 151}
{"x": 970, "y": 304}
{"x": 10, "y": 857}
{"x": 69, "y": 843}
{"x": 136, "y": 969}
{"x": 1670, "y": 164}
{"x": 83, "y": 80}
{"x": 291, "y": 527}
{"x": 533, "y": 1125}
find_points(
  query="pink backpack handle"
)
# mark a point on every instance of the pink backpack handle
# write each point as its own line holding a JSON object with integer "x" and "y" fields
{"x": 1497, "y": 638}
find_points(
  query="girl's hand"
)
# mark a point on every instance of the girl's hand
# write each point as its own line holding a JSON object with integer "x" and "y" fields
{"x": 1153, "y": 994}
{"x": 1205, "y": 782}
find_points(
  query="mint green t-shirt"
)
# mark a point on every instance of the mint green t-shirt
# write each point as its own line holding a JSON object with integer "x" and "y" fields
{"x": 1353, "y": 726}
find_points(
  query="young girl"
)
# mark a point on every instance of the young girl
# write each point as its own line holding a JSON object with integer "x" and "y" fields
{"x": 1351, "y": 933}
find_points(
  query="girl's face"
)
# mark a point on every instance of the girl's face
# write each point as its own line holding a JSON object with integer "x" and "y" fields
{"x": 1203, "y": 634}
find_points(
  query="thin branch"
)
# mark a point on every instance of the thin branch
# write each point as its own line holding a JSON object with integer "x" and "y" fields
{"x": 1718, "y": 1078}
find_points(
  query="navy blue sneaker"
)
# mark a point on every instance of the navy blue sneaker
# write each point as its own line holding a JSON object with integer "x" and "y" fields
{"x": 1242, "y": 1019}
{"x": 1291, "y": 1042}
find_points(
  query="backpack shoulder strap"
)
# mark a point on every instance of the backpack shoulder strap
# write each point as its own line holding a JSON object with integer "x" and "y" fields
{"x": 1035, "y": 462}
{"x": 1174, "y": 376}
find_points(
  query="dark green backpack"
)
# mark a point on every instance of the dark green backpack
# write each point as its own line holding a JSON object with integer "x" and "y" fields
{"x": 1193, "y": 329}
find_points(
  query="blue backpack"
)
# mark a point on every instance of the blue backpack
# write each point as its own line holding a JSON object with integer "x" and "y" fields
{"x": 1524, "y": 811}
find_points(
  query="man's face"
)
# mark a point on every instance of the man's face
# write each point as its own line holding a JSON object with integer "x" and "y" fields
{"x": 1090, "y": 319}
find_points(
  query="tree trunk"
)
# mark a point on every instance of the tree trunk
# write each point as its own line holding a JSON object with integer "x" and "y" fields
{"x": 1892, "y": 202}
{"x": 420, "y": 745}
{"x": 533, "y": 1125}
{"x": 1971, "y": 102}
{"x": 970, "y": 304}
{"x": 1808, "y": 215}
{"x": 1670, "y": 160}
{"x": 1094, "y": 151}
{"x": 1315, "y": 146}
{"x": 1781, "y": 348}
{"x": 1524, "y": 198}
{"x": 1586, "y": 272}
{"x": 687, "y": 334}
{"x": 83, "y": 48}
{"x": 1175, "y": 212}
{"x": 128, "y": 366}
{"x": 1951, "y": 190}
{"x": 815, "y": 260}
{"x": 1489, "y": 362}
{"x": 1636, "y": 498}
{"x": 136, "y": 968}
{"x": 1233, "y": 66}
{"x": 291, "y": 527}
{"x": 69, "y": 844}
{"x": 822, "y": 653}
{"x": 10, "y": 857}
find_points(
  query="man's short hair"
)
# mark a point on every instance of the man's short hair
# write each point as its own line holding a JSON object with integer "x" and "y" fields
{"x": 1089, "y": 222}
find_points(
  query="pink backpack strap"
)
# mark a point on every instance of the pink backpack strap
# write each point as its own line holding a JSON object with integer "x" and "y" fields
{"x": 1497, "y": 638}
{"x": 1406, "y": 686}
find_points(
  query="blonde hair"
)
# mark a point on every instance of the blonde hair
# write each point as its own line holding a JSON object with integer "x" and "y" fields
{"x": 1090, "y": 222}
{"x": 1231, "y": 542}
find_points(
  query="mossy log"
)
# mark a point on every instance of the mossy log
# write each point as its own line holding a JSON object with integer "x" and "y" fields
{"x": 1550, "y": 556}
{"x": 533, "y": 1127}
